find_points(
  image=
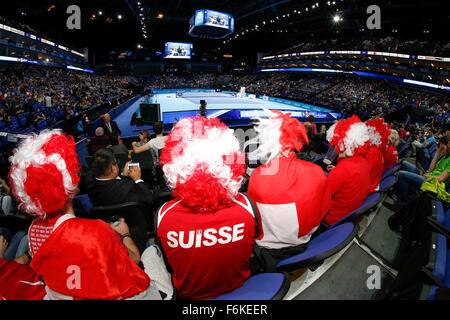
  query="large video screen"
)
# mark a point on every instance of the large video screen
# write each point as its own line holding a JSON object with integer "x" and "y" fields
{"x": 178, "y": 50}
{"x": 217, "y": 19}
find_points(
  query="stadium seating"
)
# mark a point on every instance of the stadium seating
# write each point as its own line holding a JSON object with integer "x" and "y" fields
{"x": 387, "y": 183}
{"x": 263, "y": 286}
{"x": 321, "y": 247}
{"x": 390, "y": 171}
{"x": 85, "y": 202}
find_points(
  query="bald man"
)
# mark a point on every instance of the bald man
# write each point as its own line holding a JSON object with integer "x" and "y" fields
{"x": 108, "y": 125}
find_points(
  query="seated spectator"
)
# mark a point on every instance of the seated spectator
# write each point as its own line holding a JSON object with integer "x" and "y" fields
{"x": 410, "y": 178}
{"x": 156, "y": 143}
{"x": 12, "y": 247}
{"x": 38, "y": 116}
{"x": 379, "y": 134}
{"x": 290, "y": 194}
{"x": 117, "y": 145}
{"x": 106, "y": 186}
{"x": 6, "y": 203}
{"x": 144, "y": 138}
{"x": 101, "y": 259}
{"x": 391, "y": 155}
{"x": 428, "y": 140}
{"x": 348, "y": 181}
{"x": 313, "y": 125}
{"x": 99, "y": 141}
{"x": 208, "y": 231}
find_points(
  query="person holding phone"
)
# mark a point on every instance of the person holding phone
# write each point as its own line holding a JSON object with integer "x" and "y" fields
{"x": 106, "y": 186}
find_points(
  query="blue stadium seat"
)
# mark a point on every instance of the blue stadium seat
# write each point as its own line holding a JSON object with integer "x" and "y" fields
{"x": 85, "y": 202}
{"x": 439, "y": 213}
{"x": 371, "y": 202}
{"x": 263, "y": 286}
{"x": 439, "y": 263}
{"x": 321, "y": 247}
{"x": 390, "y": 171}
{"x": 387, "y": 183}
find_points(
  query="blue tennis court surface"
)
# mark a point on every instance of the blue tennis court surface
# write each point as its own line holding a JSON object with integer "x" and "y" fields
{"x": 233, "y": 110}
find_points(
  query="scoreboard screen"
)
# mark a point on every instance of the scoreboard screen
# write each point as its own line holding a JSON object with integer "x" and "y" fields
{"x": 211, "y": 24}
{"x": 178, "y": 50}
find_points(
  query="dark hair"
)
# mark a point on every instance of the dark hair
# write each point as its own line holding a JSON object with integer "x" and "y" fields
{"x": 103, "y": 160}
{"x": 444, "y": 140}
{"x": 145, "y": 134}
{"x": 158, "y": 127}
{"x": 310, "y": 118}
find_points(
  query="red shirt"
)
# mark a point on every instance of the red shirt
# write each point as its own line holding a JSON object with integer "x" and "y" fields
{"x": 291, "y": 197}
{"x": 375, "y": 159}
{"x": 348, "y": 184}
{"x": 209, "y": 252}
{"x": 390, "y": 157}
{"x": 39, "y": 231}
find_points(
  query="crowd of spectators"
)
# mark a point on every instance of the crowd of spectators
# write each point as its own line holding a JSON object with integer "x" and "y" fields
{"x": 387, "y": 44}
{"x": 33, "y": 98}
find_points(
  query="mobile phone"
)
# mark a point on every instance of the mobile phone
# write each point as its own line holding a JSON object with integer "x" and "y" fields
{"x": 133, "y": 164}
{"x": 114, "y": 221}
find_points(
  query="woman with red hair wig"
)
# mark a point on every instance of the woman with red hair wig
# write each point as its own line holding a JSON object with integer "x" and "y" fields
{"x": 348, "y": 181}
{"x": 208, "y": 231}
{"x": 75, "y": 258}
{"x": 290, "y": 194}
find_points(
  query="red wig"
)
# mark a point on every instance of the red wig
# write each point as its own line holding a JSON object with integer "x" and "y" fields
{"x": 44, "y": 172}
{"x": 202, "y": 163}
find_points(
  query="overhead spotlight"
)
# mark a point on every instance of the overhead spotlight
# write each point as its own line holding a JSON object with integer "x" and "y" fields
{"x": 100, "y": 13}
{"x": 337, "y": 18}
{"x": 139, "y": 46}
{"x": 92, "y": 16}
{"x": 160, "y": 15}
{"x": 119, "y": 16}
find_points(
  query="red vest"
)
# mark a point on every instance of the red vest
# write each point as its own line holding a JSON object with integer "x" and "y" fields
{"x": 291, "y": 197}
{"x": 209, "y": 252}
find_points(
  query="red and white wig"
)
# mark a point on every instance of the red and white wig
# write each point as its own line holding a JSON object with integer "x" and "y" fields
{"x": 44, "y": 172}
{"x": 379, "y": 133}
{"x": 202, "y": 163}
{"x": 279, "y": 133}
{"x": 350, "y": 136}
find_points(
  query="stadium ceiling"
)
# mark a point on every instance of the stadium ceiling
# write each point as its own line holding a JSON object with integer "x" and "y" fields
{"x": 118, "y": 25}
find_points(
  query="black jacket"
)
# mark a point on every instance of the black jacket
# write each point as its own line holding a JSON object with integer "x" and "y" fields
{"x": 110, "y": 192}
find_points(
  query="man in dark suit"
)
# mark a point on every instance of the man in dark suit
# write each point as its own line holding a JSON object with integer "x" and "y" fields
{"x": 109, "y": 126}
{"x": 106, "y": 186}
